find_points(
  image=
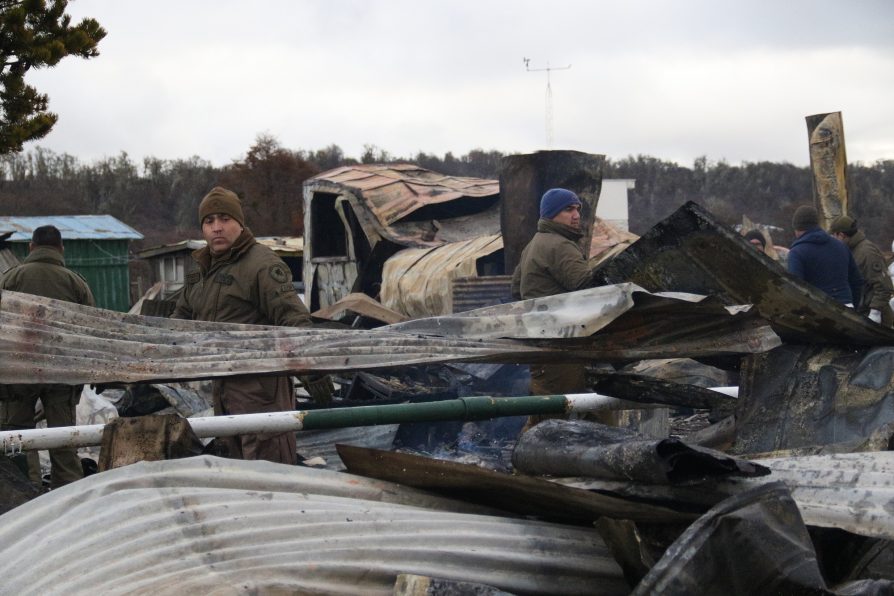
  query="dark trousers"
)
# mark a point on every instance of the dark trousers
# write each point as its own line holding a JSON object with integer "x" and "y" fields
{"x": 59, "y": 403}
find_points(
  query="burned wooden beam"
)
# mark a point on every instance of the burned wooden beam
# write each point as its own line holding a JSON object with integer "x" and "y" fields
{"x": 522, "y": 495}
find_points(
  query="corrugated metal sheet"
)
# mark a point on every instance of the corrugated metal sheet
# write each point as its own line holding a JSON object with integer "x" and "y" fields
{"x": 849, "y": 491}
{"x": 470, "y": 293}
{"x": 394, "y": 191}
{"x": 417, "y": 282}
{"x": 72, "y": 227}
{"x": 390, "y": 201}
{"x": 43, "y": 340}
{"x": 210, "y": 525}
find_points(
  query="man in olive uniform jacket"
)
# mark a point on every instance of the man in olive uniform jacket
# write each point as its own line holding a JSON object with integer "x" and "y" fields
{"x": 241, "y": 281}
{"x": 44, "y": 274}
{"x": 877, "y": 287}
{"x": 553, "y": 263}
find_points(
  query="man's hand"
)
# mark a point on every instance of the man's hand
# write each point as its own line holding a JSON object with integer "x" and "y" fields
{"x": 875, "y": 315}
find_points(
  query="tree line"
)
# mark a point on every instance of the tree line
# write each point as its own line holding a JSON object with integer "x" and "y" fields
{"x": 160, "y": 197}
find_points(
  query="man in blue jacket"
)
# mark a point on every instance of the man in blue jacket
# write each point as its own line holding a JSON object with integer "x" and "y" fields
{"x": 821, "y": 260}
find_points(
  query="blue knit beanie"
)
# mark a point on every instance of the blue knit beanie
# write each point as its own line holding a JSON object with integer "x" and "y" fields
{"x": 556, "y": 199}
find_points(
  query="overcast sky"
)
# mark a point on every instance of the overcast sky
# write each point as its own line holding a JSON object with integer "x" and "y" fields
{"x": 671, "y": 79}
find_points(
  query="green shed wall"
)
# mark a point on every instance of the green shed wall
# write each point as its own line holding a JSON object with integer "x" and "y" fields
{"x": 103, "y": 263}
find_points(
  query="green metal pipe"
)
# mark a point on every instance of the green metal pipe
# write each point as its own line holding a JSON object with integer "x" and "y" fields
{"x": 466, "y": 408}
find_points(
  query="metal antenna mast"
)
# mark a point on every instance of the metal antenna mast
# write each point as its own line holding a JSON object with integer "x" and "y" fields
{"x": 549, "y": 96}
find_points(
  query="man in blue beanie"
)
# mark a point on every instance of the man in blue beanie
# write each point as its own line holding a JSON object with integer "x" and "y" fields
{"x": 553, "y": 263}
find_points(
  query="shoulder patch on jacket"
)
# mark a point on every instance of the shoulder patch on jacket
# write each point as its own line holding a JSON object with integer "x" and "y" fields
{"x": 193, "y": 277}
{"x": 278, "y": 273}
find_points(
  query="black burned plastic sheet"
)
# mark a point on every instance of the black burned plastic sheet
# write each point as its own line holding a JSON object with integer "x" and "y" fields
{"x": 751, "y": 543}
{"x": 582, "y": 448}
{"x": 798, "y": 396}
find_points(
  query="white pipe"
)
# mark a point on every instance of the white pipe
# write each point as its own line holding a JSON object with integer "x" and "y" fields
{"x": 13, "y": 442}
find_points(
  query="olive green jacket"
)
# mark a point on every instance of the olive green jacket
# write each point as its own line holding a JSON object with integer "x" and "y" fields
{"x": 551, "y": 263}
{"x": 248, "y": 284}
{"x": 877, "y": 287}
{"x": 44, "y": 274}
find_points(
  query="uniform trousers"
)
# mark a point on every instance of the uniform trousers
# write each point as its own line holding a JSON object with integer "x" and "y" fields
{"x": 59, "y": 404}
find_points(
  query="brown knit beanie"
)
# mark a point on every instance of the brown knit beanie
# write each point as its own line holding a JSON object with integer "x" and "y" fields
{"x": 844, "y": 225}
{"x": 221, "y": 200}
{"x": 805, "y": 217}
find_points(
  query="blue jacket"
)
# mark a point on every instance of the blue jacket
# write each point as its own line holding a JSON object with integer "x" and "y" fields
{"x": 825, "y": 262}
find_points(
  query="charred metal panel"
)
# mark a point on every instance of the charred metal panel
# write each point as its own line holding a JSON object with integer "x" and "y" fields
{"x": 797, "y": 396}
{"x": 470, "y": 293}
{"x": 691, "y": 252}
{"x": 417, "y": 282}
{"x": 524, "y": 179}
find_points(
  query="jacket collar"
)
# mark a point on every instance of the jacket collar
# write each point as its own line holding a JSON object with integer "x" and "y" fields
{"x": 553, "y": 227}
{"x": 206, "y": 260}
{"x": 45, "y": 254}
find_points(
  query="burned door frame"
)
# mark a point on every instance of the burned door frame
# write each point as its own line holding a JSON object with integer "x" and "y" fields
{"x": 330, "y": 277}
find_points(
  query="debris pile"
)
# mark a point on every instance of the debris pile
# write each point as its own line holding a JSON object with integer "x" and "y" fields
{"x": 786, "y": 490}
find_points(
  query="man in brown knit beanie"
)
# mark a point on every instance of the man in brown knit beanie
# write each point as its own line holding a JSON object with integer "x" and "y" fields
{"x": 241, "y": 281}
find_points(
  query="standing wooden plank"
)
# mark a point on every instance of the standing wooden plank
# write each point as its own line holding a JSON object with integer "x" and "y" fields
{"x": 828, "y": 163}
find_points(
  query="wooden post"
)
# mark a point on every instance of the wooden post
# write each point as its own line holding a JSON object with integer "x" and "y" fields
{"x": 524, "y": 179}
{"x": 828, "y": 162}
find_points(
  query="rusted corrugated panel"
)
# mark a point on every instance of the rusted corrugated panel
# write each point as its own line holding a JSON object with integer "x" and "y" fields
{"x": 691, "y": 252}
{"x": 212, "y": 525}
{"x": 470, "y": 293}
{"x": 417, "y": 282}
{"x": 392, "y": 193}
{"x": 49, "y": 341}
{"x": 44, "y": 340}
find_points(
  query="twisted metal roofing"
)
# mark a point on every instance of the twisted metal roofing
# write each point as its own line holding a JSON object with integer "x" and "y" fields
{"x": 211, "y": 525}
{"x": 49, "y": 341}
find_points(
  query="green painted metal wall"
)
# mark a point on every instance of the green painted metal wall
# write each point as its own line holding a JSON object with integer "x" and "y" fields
{"x": 103, "y": 263}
